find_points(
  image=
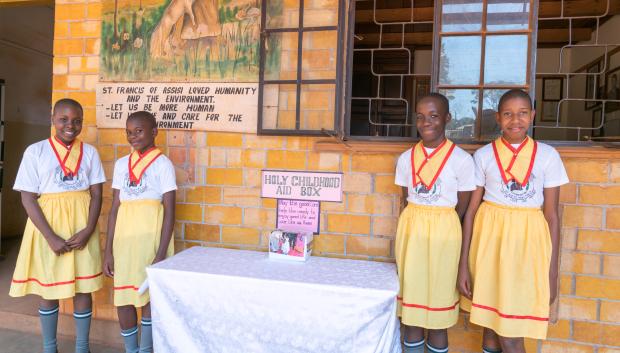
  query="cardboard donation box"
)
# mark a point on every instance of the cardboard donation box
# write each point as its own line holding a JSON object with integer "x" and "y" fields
{"x": 290, "y": 245}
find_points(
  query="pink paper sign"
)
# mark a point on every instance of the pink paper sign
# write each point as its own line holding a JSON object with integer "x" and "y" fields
{"x": 316, "y": 186}
{"x": 297, "y": 215}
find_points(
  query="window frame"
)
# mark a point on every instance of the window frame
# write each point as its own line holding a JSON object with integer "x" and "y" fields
{"x": 483, "y": 33}
{"x": 298, "y": 81}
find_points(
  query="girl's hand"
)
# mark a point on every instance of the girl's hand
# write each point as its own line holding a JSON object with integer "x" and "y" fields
{"x": 158, "y": 259}
{"x": 57, "y": 244}
{"x": 108, "y": 265}
{"x": 79, "y": 240}
{"x": 464, "y": 282}
{"x": 553, "y": 286}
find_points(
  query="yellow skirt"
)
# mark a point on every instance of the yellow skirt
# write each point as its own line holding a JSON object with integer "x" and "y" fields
{"x": 40, "y": 271}
{"x": 428, "y": 244}
{"x": 136, "y": 240}
{"x": 509, "y": 261}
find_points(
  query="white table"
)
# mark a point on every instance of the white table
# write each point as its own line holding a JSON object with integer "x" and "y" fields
{"x": 220, "y": 300}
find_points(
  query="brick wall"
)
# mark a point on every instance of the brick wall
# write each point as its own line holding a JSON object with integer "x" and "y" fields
{"x": 218, "y": 202}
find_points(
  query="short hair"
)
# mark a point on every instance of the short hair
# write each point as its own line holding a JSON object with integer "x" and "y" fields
{"x": 144, "y": 115}
{"x": 443, "y": 100}
{"x": 514, "y": 93}
{"x": 67, "y": 103}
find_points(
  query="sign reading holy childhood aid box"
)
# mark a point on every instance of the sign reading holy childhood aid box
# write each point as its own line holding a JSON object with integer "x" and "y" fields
{"x": 298, "y": 213}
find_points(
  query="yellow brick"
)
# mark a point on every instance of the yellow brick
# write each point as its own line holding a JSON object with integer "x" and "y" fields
{"x": 59, "y": 82}
{"x": 321, "y": 40}
{"x": 581, "y": 263}
{"x": 252, "y": 177}
{"x": 586, "y": 170}
{"x": 324, "y": 161}
{"x": 68, "y": 47}
{"x": 592, "y": 240}
{"x": 204, "y": 194}
{"x": 258, "y": 217}
{"x": 189, "y": 212}
{"x": 93, "y": 11}
{"x": 286, "y": 160}
{"x": 242, "y": 196}
{"x": 298, "y": 143}
{"x": 608, "y": 350}
{"x": 80, "y": 64}
{"x": 362, "y": 245}
{"x": 579, "y": 309}
{"x": 254, "y": 158}
{"x": 560, "y": 329}
{"x": 614, "y": 173}
{"x": 240, "y": 235}
{"x": 224, "y": 176}
{"x": 384, "y": 184}
{"x": 568, "y": 193}
{"x": 60, "y": 66}
{"x": 122, "y": 150}
{"x": 112, "y": 136}
{"x": 233, "y": 158}
{"x": 385, "y": 226}
{"x": 344, "y": 223}
{"x": 562, "y": 347}
{"x": 69, "y": 12}
{"x": 263, "y": 142}
{"x": 610, "y": 311}
{"x": 569, "y": 238}
{"x": 582, "y": 216}
{"x": 269, "y": 203}
{"x": 222, "y": 214}
{"x": 597, "y": 333}
{"x": 594, "y": 287}
{"x": 85, "y": 29}
{"x": 333, "y": 206}
{"x": 223, "y": 139}
{"x": 613, "y": 218}
{"x": 75, "y": 82}
{"x": 90, "y": 82}
{"x": 373, "y": 163}
{"x": 328, "y": 243}
{"x": 374, "y": 204}
{"x": 357, "y": 182}
{"x": 92, "y": 46}
{"x": 106, "y": 153}
{"x": 61, "y": 29}
{"x": 599, "y": 195}
{"x": 86, "y": 99}
{"x": 90, "y": 116}
{"x": 566, "y": 284}
{"x": 217, "y": 157}
{"x": 202, "y": 232}
{"x": 611, "y": 266}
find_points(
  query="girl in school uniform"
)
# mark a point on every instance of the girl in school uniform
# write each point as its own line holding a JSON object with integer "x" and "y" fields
{"x": 439, "y": 177}
{"x": 509, "y": 260}
{"x": 60, "y": 180}
{"x": 140, "y": 226}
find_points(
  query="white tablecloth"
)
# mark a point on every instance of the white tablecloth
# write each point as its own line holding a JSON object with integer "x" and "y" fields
{"x": 220, "y": 300}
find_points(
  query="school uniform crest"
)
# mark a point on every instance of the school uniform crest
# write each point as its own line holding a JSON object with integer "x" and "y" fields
{"x": 69, "y": 182}
{"x": 135, "y": 187}
{"x": 516, "y": 192}
{"x": 428, "y": 195}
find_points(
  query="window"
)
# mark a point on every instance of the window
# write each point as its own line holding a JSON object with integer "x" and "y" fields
{"x": 300, "y": 52}
{"x": 565, "y": 53}
{"x": 483, "y": 49}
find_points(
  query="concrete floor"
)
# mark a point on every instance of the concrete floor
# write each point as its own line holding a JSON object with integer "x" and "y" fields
{"x": 20, "y": 342}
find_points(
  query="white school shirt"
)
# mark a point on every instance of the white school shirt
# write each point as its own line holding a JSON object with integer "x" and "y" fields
{"x": 548, "y": 172}
{"x": 40, "y": 171}
{"x": 458, "y": 174}
{"x": 158, "y": 179}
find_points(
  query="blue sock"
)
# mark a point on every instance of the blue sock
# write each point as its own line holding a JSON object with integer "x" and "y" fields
{"x": 146, "y": 336}
{"x": 414, "y": 347}
{"x": 130, "y": 337}
{"x": 432, "y": 349}
{"x": 82, "y": 329}
{"x": 49, "y": 324}
{"x": 489, "y": 350}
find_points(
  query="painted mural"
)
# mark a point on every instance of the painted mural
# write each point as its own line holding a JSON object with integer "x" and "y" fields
{"x": 180, "y": 40}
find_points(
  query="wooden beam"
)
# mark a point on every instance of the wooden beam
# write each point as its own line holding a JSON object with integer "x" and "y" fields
{"x": 546, "y": 9}
{"x": 14, "y": 3}
{"x": 545, "y": 36}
